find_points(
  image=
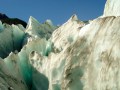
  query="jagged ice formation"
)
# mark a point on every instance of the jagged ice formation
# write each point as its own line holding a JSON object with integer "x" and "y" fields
{"x": 73, "y": 56}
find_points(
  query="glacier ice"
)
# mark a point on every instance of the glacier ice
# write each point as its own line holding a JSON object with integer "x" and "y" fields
{"x": 112, "y": 8}
{"x": 34, "y": 28}
{"x": 11, "y": 38}
{"x": 8, "y": 81}
{"x": 23, "y": 71}
{"x": 29, "y": 73}
{"x": 74, "y": 56}
{"x": 1, "y": 26}
{"x": 67, "y": 33}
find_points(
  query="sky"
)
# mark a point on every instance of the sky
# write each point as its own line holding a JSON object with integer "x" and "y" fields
{"x": 59, "y": 11}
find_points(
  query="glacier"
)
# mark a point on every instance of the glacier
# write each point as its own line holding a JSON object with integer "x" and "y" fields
{"x": 112, "y": 8}
{"x": 11, "y": 37}
{"x": 77, "y": 55}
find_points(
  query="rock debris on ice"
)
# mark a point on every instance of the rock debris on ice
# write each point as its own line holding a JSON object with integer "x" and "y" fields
{"x": 74, "y": 56}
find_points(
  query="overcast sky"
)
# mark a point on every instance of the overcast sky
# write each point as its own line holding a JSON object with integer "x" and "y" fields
{"x": 58, "y": 11}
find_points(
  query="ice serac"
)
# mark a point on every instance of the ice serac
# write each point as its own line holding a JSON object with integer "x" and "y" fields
{"x": 25, "y": 75}
{"x": 90, "y": 63}
{"x": 67, "y": 33}
{"x": 76, "y": 56}
{"x": 44, "y": 30}
{"x": 52, "y": 67}
{"x": 24, "y": 71}
{"x": 93, "y": 65}
{"x": 8, "y": 81}
{"x": 11, "y": 38}
{"x": 112, "y": 8}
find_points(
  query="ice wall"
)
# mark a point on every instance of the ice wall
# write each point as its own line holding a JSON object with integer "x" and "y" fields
{"x": 67, "y": 33}
{"x": 11, "y": 38}
{"x": 34, "y": 28}
{"x": 112, "y": 8}
{"x": 76, "y": 56}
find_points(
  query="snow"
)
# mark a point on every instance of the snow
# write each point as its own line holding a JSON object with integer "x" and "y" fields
{"x": 49, "y": 22}
{"x": 76, "y": 56}
{"x": 112, "y": 8}
{"x": 67, "y": 33}
{"x": 41, "y": 30}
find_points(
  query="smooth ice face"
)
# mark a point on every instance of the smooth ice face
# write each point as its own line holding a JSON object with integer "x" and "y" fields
{"x": 112, "y": 8}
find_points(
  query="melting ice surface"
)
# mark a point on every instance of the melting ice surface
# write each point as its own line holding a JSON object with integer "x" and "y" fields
{"x": 74, "y": 56}
{"x": 18, "y": 61}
